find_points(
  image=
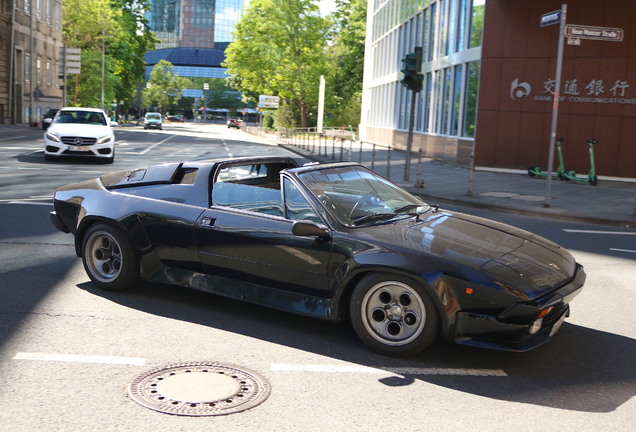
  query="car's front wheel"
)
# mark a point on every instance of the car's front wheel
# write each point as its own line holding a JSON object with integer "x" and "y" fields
{"x": 109, "y": 258}
{"x": 393, "y": 316}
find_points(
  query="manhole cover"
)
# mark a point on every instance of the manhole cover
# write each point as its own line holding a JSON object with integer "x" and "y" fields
{"x": 199, "y": 389}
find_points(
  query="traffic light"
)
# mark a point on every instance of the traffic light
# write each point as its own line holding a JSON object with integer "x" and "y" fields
{"x": 413, "y": 79}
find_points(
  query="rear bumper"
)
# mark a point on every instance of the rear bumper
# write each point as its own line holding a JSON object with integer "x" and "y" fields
{"x": 491, "y": 332}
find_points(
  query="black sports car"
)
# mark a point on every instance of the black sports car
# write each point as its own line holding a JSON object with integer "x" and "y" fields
{"x": 333, "y": 241}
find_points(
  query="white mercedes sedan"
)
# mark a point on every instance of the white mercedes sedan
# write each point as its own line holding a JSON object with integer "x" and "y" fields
{"x": 84, "y": 132}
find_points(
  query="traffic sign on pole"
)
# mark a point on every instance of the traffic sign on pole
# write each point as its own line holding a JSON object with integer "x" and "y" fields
{"x": 595, "y": 33}
{"x": 550, "y": 18}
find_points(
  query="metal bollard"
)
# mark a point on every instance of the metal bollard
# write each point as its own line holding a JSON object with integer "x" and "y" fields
{"x": 373, "y": 158}
{"x": 341, "y": 148}
{"x": 360, "y": 155}
{"x": 350, "y": 149}
{"x": 333, "y": 148}
{"x": 419, "y": 183}
{"x": 388, "y": 163}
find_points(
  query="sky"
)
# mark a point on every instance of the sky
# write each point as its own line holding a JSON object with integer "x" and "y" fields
{"x": 327, "y": 6}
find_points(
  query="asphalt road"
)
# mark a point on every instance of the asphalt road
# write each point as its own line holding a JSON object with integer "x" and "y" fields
{"x": 54, "y": 322}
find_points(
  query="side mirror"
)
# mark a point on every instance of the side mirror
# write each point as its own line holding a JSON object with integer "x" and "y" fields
{"x": 309, "y": 229}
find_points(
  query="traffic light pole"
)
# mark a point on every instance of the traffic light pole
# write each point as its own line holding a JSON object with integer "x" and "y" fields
{"x": 409, "y": 139}
{"x": 413, "y": 80}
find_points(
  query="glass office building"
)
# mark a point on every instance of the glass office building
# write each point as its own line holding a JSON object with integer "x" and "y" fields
{"x": 450, "y": 34}
{"x": 193, "y": 35}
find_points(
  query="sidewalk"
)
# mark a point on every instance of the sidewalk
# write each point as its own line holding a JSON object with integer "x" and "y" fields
{"x": 611, "y": 202}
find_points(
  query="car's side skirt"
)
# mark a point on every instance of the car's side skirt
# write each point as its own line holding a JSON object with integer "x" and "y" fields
{"x": 244, "y": 291}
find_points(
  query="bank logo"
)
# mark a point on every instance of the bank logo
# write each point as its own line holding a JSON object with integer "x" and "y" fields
{"x": 519, "y": 90}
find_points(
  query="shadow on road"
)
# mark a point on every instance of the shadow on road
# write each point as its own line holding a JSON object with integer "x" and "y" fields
{"x": 581, "y": 369}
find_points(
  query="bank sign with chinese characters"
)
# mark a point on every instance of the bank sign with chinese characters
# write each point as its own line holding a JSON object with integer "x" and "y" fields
{"x": 596, "y": 91}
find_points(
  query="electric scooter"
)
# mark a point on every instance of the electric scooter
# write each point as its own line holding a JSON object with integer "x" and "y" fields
{"x": 560, "y": 171}
{"x": 591, "y": 176}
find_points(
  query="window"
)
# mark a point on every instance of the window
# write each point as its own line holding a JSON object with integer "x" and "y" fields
{"x": 253, "y": 187}
{"x": 470, "y": 109}
{"x": 27, "y": 67}
{"x": 27, "y": 7}
{"x": 48, "y": 72}
{"x": 296, "y": 206}
{"x": 38, "y": 70}
{"x": 58, "y": 16}
{"x": 38, "y": 9}
{"x": 476, "y": 23}
{"x": 48, "y": 11}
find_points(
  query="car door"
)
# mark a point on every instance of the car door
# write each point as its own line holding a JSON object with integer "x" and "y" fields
{"x": 247, "y": 236}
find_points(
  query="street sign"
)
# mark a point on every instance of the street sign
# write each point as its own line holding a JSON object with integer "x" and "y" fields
{"x": 268, "y": 104}
{"x": 70, "y": 60}
{"x": 550, "y": 18}
{"x": 595, "y": 33}
{"x": 265, "y": 98}
{"x": 574, "y": 41}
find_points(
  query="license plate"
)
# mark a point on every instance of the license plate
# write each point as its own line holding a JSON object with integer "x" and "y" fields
{"x": 557, "y": 325}
{"x": 78, "y": 148}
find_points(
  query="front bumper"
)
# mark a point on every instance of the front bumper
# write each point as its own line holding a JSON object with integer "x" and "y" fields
{"x": 491, "y": 332}
{"x": 53, "y": 148}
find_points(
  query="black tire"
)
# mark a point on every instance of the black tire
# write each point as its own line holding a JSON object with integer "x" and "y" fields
{"x": 594, "y": 180}
{"x": 531, "y": 171}
{"x": 109, "y": 258}
{"x": 393, "y": 315}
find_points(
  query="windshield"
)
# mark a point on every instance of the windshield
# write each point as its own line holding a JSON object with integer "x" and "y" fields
{"x": 358, "y": 196}
{"x": 86, "y": 117}
{"x": 153, "y": 116}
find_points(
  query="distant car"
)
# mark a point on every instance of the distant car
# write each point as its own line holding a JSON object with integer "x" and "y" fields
{"x": 334, "y": 241}
{"x": 153, "y": 120}
{"x": 85, "y": 132}
{"x": 176, "y": 118}
{"x": 234, "y": 123}
{"x": 47, "y": 118}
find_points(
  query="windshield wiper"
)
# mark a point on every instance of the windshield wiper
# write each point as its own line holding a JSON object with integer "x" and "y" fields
{"x": 407, "y": 207}
{"x": 374, "y": 217}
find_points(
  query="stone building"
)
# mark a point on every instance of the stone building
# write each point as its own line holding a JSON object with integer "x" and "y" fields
{"x": 30, "y": 42}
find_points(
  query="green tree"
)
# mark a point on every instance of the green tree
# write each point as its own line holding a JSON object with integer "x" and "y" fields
{"x": 278, "y": 50}
{"x": 166, "y": 87}
{"x": 129, "y": 41}
{"x": 120, "y": 28}
{"x": 220, "y": 93}
{"x": 91, "y": 79}
{"x": 346, "y": 54}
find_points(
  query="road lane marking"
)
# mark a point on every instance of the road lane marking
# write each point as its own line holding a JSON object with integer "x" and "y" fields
{"x": 10, "y": 138}
{"x": 155, "y": 145}
{"x": 622, "y": 250}
{"x": 80, "y": 358}
{"x": 30, "y": 203}
{"x": 598, "y": 232}
{"x": 395, "y": 370}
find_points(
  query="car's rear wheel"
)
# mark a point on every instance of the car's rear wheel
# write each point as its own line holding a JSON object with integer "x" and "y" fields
{"x": 393, "y": 316}
{"x": 109, "y": 258}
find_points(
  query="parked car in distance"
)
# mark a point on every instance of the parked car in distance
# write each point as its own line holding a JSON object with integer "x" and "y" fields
{"x": 334, "y": 242}
{"x": 47, "y": 118}
{"x": 234, "y": 123}
{"x": 84, "y": 132}
{"x": 176, "y": 118}
{"x": 153, "y": 120}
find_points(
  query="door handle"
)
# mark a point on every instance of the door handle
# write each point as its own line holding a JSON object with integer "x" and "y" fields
{"x": 208, "y": 221}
